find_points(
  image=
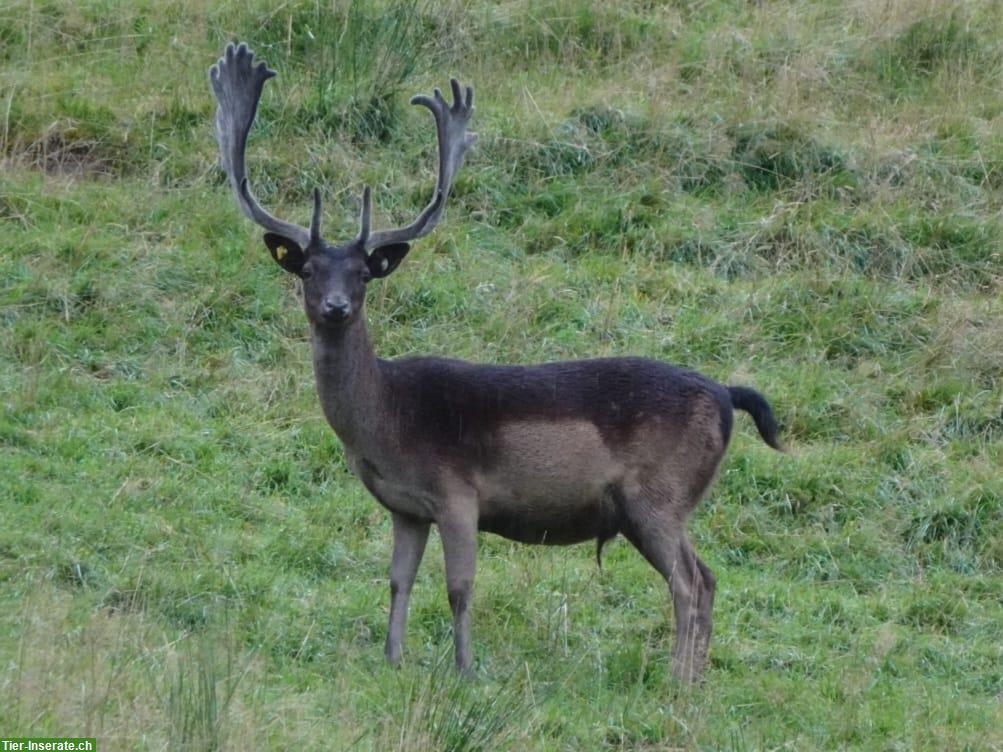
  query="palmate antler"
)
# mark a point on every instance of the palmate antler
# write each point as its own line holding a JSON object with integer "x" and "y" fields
{"x": 238, "y": 83}
{"x": 451, "y": 130}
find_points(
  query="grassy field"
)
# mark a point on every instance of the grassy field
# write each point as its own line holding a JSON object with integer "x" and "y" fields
{"x": 805, "y": 196}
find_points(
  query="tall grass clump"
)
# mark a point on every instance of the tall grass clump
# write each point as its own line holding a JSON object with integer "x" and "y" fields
{"x": 198, "y": 687}
{"x": 361, "y": 56}
{"x": 435, "y": 708}
{"x": 770, "y": 156}
{"x": 568, "y": 32}
{"x": 928, "y": 46}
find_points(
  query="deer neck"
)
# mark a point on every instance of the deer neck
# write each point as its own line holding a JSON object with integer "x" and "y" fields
{"x": 349, "y": 381}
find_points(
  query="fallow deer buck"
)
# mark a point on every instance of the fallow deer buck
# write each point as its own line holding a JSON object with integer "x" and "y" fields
{"x": 557, "y": 453}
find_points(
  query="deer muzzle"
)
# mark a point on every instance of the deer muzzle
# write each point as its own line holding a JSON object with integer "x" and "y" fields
{"x": 336, "y": 308}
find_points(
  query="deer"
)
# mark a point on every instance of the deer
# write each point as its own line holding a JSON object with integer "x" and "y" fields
{"x": 557, "y": 453}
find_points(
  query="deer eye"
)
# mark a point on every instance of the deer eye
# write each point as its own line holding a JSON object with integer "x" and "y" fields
{"x": 306, "y": 272}
{"x": 365, "y": 275}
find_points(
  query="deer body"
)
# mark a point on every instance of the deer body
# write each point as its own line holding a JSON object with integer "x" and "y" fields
{"x": 556, "y": 453}
{"x": 543, "y": 452}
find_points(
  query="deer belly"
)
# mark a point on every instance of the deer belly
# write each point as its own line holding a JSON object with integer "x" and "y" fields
{"x": 552, "y": 482}
{"x": 550, "y": 525}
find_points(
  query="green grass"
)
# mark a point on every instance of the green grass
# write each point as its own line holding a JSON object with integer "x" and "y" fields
{"x": 804, "y": 196}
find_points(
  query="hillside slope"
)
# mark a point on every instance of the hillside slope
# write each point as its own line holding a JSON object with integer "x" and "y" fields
{"x": 803, "y": 196}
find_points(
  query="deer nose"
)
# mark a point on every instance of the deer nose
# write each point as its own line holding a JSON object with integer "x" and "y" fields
{"x": 336, "y": 307}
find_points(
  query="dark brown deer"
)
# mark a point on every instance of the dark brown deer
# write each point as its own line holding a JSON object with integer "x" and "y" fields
{"x": 557, "y": 453}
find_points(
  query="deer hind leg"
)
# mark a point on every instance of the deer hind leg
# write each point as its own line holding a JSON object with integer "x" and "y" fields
{"x": 692, "y": 584}
{"x": 662, "y": 541}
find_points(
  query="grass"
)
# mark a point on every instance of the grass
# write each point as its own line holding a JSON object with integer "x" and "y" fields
{"x": 798, "y": 195}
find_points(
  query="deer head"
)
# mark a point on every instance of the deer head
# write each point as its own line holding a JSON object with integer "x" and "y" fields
{"x": 334, "y": 277}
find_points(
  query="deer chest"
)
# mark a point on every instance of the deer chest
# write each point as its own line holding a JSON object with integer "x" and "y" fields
{"x": 403, "y": 496}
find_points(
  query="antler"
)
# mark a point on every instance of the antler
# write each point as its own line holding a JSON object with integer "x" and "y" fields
{"x": 237, "y": 83}
{"x": 451, "y": 129}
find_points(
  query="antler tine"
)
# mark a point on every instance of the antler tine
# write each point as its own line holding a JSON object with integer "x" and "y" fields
{"x": 365, "y": 219}
{"x": 315, "y": 219}
{"x": 238, "y": 83}
{"x": 454, "y": 140}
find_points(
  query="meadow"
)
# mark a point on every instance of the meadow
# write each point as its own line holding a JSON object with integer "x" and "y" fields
{"x": 805, "y": 196}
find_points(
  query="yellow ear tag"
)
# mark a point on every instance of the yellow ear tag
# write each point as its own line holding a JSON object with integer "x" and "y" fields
{"x": 280, "y": 252}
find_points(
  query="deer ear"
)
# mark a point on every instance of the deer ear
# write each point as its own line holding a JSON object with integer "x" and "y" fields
{"x": 385, "y": 259}
{"x": 286, "y": 252}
